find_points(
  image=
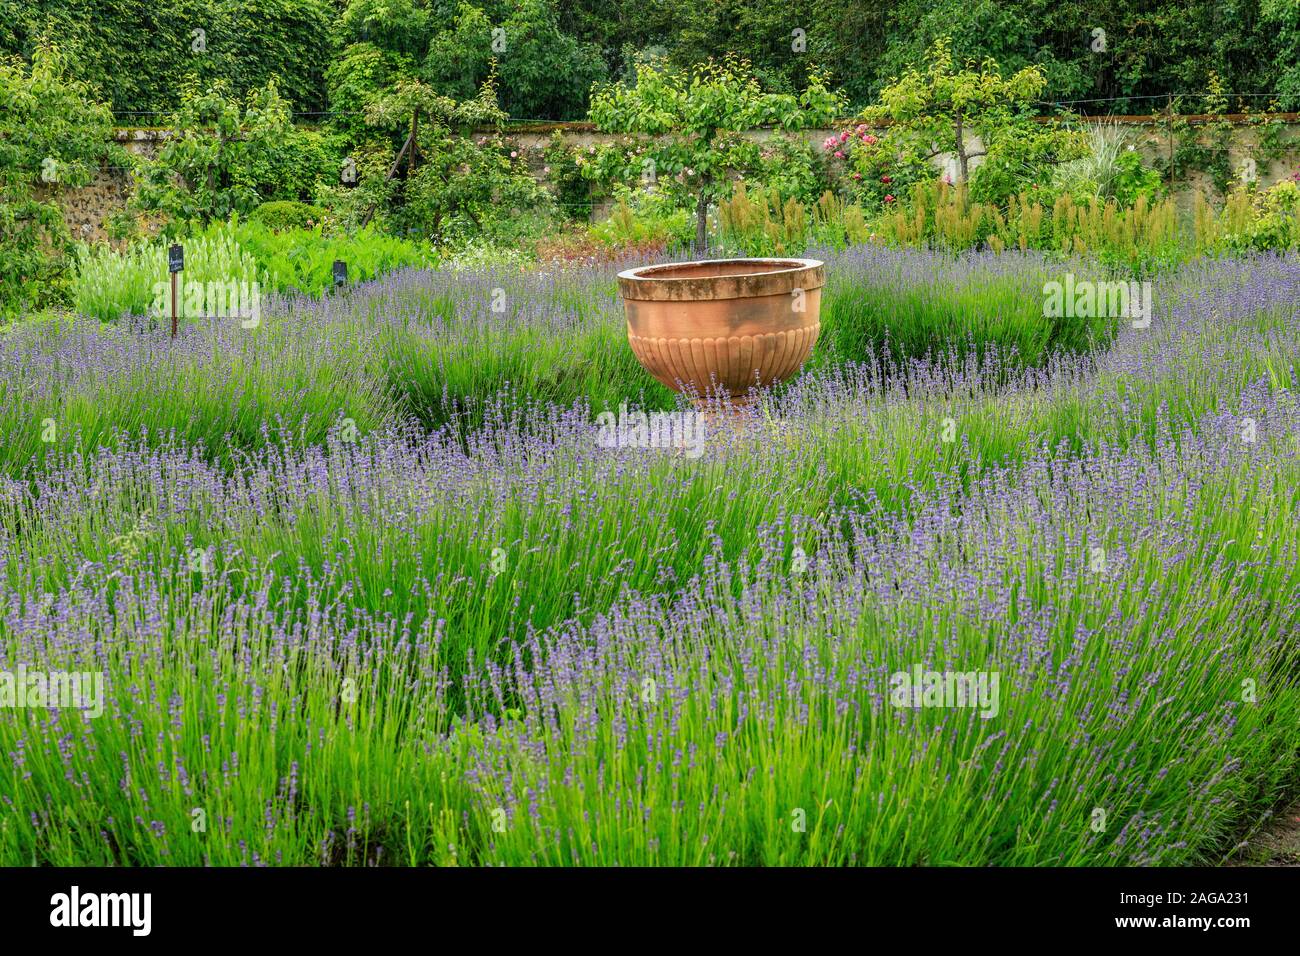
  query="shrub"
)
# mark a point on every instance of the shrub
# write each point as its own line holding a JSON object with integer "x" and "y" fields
{"x": 354, "y": 79}
{"x": 546, "y": 74}
{"x": 793, "y": 167}
{"x": 302, "y": 260}
{"x": 452, "y": 185}
{"x": 53, "y": 134}
{"x": 285, "y": 214}
{"x": 690, "y": 128}
{"x": 1273, "y": 222}
{"x": 1134, "y": 180}
{"x": 1111, "y": 169}
{"x": 225, "y": 158}
{"x": 937, "y": 108}
{"x": 878, "y": 172}
{"x": 572, "y": 190}
{"x": 641, "y": 217}
{"x": 109, "y": 284}
{"x": 764, "y": 223}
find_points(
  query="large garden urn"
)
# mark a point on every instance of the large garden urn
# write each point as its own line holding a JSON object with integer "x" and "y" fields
{"x": 723, "y": 325}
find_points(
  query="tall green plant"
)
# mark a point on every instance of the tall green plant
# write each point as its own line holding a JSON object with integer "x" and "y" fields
{"x": 54, "y": 133}
{"x": 691, "y": 126}
{"x": 109, "y": 284}
{"x": 225, "y": 157}
{"x": 973, "y": 112}
{"x": 449, "y": 179}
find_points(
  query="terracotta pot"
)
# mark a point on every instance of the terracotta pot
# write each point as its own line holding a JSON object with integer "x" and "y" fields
{"x": 723, "y": 325}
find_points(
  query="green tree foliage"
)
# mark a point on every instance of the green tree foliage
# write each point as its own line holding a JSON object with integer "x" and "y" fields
{"x": 1281, "y": 20}
{"x": 1137, "y": 51}
{"x": 360, "y": 74}
{"x": 690, "y": 126}
{"x": 974, "y": 30}
{"x": 973, "y": 112}
{"x": 456, "y": 182}
{"x": 224, "y": 156}
{"x": 288, "y": 40}
{"x": 1148, "y": 48}
{"x": 543, "y": 72}
{"x": 402, "y": 27}
{"x": 462, "y": 54}
{"x": 136, "y": 52}
{"x": 53, "y": 136}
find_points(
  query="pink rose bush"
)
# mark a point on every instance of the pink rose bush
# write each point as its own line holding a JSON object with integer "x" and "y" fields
{"x": 876, "y": 173}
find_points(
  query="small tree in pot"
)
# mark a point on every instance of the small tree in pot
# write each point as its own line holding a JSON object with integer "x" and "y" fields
{"x": 690, "y": 127}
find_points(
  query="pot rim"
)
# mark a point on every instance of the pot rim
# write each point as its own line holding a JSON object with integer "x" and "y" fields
{"x": 640, "y": 284}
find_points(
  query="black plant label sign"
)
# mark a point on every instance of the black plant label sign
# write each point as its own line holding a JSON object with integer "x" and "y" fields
{"x": 340, "y": 272}
{"x": 176, "y": 258}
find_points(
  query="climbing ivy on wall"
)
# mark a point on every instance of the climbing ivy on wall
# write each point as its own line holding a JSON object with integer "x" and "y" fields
{"x": 137, "y": 53}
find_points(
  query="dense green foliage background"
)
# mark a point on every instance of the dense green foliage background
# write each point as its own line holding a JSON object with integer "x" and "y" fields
{"x": 138, "y": 52}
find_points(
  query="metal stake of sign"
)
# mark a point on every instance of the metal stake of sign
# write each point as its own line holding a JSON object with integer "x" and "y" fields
{"x": 175, "y": 263}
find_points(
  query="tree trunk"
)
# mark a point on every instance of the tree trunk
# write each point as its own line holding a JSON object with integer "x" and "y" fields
{"x": 701, "y": 220}
{"x": 415, "y": 141}
{"x": 392, "y": 171}
{"x": 961, "y": 150}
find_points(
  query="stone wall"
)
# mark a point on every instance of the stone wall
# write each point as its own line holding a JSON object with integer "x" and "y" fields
{"x": 86, "y": 209}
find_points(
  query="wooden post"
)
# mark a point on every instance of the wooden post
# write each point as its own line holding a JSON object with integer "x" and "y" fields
{"x": 415, "y": 140}
{"x": 392, "y": 171}
{"x": 1169, "y": 124}
{"x": 175, "y": 263}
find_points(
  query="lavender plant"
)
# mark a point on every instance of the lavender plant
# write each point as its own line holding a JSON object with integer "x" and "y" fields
{"x": 364, "y": 586}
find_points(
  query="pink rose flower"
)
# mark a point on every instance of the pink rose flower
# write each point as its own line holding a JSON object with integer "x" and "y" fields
{"x": 838, "y": 154}
{"x": 886, "y": 179}
{"x": 889, "y": 199}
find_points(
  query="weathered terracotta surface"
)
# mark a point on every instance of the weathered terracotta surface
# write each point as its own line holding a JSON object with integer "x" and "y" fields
{"x": 726, "y": 324}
